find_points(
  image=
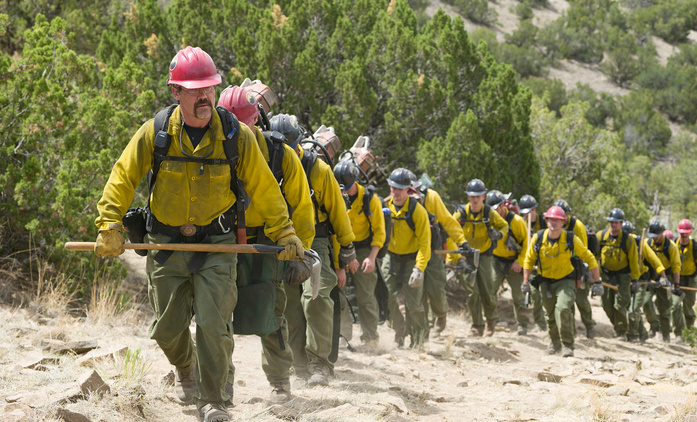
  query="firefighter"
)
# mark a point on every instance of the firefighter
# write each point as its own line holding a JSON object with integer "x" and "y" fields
{"x": 254, "y": 268}
{"x": 311, "y": 322}
{"x": 368, "y": 224}
{"x": 193, "y": 202}
{"x": 688, "y": 271}
{"x": 445, "y": 227}
{"x": 509, "y": 256}
{"x": 619, "y": 261}
{"x": 552, "y": 251}
{"x": 642, "y": 292}
{"x": 669, "y": 254}
{"x": 408, "y": 254}
{"x": 483, "y": 228}
{"x": 582, "y": 292}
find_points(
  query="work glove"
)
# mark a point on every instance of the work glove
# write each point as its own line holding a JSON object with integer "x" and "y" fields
{"x": 494, "y": 234}
{"x": 297, "y": 272}
{"x": 417, "y": 278}
{"x": 110, "y": 241}
{"x": 512, "y": 246}
{"x": 597, "y": 289}
{"x": 634, "y": 286}
{"x": 465, "y": 249}
{"x": 347, "y": 254}
{"x": 664, "y": 282}
{"x": 465, "y": 266}
{"x": 525, "y": 288}
{"x": 293, "y": 246}
{"x": 676, "y": 290}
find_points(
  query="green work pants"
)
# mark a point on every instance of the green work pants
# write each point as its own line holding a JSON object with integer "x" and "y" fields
{"x": 635, "y": 323}
{"x": 311, "y": 321}
{"x": 481, "y": 295}
{"x": 503, "y": 270}
{"x": 397, "y": 270}
{"x": 665, "y": 302}
{"x": 688, "y": 304}
{"x": 558, "y": 300}
{"x": 677, "y": 314}
{"x": 584, "y": 306}
{"x": 435, "y": 279}
{"x": 650, "y": 309}
{"x": 616, "y": 302}
{"x": 368, "y": 311}
{"x": 176, "y": 295}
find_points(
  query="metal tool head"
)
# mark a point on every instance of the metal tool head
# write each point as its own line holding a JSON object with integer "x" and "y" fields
{"x": 316, "y": 271}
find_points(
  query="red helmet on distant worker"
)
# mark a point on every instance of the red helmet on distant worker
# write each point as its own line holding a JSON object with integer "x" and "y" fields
{"x": 555, "y": 212}
{"x": 685, "y": 226}
{"x": 669, "y": 234}
{"x": 193, "y": 68}
{"x": 241, "y": 103}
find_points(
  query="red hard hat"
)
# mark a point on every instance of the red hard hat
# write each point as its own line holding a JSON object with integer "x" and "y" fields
{"x": 555, "y": 212}
{"x": 685, "y": 226}
{"x": 240, "y": 102}
{"x": 668, "y": 234}
{"x": 193, "y": 68}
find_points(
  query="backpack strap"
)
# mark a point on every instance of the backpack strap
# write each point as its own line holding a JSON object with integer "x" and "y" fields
{"x": 231, "y": 130}
{"x": 509, "y": 218}
{"x": 274, "y": 142}
{"x": 572, "y": 223}
{"x": 570, "y": 242}
{"x": 537, "y": 247}
{"x": 694, "y": 250}
{"x": 162, "y": 143}
{"x": 409, "y": 216}
{"x": 368, "y": 193}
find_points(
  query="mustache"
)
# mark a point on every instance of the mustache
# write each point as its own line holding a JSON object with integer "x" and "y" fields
{"x": 203, "y": 102}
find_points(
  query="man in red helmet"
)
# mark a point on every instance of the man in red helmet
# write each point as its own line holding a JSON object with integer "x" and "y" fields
{"x": 552, "y": 250}
{"x": 253, "y": 269}
{"x": 192, "y": 201}
{"x": 688, "y": 271}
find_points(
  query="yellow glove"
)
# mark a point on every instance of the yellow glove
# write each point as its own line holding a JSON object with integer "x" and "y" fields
{"x": 109, "y": 241}
{"x": 293, "y": 246}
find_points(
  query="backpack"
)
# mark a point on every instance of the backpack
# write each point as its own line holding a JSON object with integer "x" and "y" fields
{"x": 593, "y": 244}
{"x": 274, "y": 142}
{"x": 308, "y": 162}
{"x": 485, "y": 216}
{"x": 436, "y": 228}
{"x": 231, "y": 129}
{"x": 601, "y": 245}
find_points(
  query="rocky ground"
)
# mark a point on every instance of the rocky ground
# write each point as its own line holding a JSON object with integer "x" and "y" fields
{"x": 103, "y": 367}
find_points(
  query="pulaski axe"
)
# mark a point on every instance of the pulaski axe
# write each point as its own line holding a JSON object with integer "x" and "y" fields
{"x": 212, "y": 248}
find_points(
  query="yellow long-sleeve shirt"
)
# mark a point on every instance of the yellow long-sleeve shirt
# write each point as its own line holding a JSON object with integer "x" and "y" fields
{"x": 404, "y": 240}
{"x": 475, "y": 229}
{"x": 613, "y": 258}
{"x": 648, "y": 256}
{"x": 520, "y": 235}
{"x": 328, "y": 195}
{"x": 555, "y": 257}
{"x": 671, "y": 262}
{"x": 294, "y": 188}
{"x": 688, "y": 261}
{"x": 187, "y": 192}
{"x": 434, "y": 204}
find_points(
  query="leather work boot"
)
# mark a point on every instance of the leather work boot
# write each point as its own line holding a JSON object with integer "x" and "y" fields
{"x": 590, "y": 332}
{"x": 522, "y": 330}
{"x": 185, "y": 385}
{"x": 280, "y": 392}
{"x": 213, "y": 412}
{"x": 567, "y": 352}
{"x": 476, "y": 332}
{"x": 440, "y": 323}
{"x": 319, "y": 377}
{"x": 490, "y": 328}
{"x": 553, "y": 348}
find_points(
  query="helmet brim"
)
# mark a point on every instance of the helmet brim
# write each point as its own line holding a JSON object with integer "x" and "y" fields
{"x": 526, "y": 210}
{"x": 397, "y": 185}
{"x": 198, "y": 83}
{"x": 652, "y": 235}
{"x": 475, "y": 193}
{"x": 684, "y": 230}
{"x": 611, "y": 219}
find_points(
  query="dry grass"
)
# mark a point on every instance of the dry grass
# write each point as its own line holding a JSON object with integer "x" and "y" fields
{"x": 684, "y": 411}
